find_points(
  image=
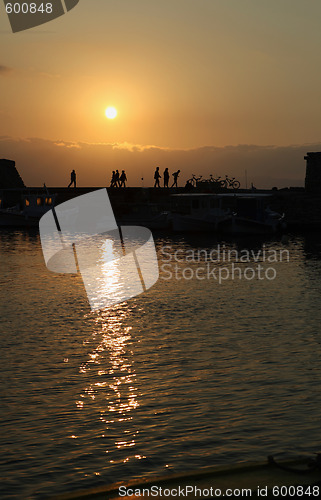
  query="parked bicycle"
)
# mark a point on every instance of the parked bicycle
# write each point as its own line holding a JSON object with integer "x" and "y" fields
{"x": 194, "y": 180}
{"x": 230, "y": 183}
{"x": 216, "y": 180}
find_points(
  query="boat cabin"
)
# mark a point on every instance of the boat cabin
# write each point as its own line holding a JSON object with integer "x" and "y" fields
{"x": 195, "y": 203}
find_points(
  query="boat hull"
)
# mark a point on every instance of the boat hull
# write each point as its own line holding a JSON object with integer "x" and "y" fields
{"x": 161, "y": 221}
{"x": 187, "y": 223}
{"x": 11, "y": 219}
{"x": 239, "y": 225}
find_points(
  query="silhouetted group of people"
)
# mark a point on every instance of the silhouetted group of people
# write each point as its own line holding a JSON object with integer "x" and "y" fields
{"x": 158, "y": 176}
{"x": 118, "y": 180}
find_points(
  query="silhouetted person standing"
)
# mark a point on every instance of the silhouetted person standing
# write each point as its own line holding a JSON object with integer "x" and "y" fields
{"x": 166, "y": 177}
{"x": 116, "y": 179}
{"x": 123, "y": 179}
{"x": 112, "y": 182}
{"x": 157, "y": 176}
{"x": 72, "y": 179}
{"x": 175, "y": 175}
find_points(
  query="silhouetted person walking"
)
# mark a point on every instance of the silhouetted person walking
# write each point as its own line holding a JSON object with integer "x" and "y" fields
{"x": 116, "y": 179}
{"x": 72, "y": 179}
{"x": 122, "y": 179}
{"x": 157, "y": 176}
{"x": 175, "y": 175}
{"x": 166, "y": 177}
{"x": 112, "y": 181}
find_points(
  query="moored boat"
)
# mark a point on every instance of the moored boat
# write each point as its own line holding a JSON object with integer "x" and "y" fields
{"x": 252, "y": 215}
{"x": 28, "y": 211}
{"x": 144, "y": 214}
{"x": 237, "y": 213}
{"x": 198, "y": 212}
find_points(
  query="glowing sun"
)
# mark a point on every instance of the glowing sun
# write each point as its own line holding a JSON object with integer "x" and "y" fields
{"x": 111, "y": 113}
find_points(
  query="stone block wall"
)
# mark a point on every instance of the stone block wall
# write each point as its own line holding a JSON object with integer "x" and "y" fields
{"x": 9, "y": 175}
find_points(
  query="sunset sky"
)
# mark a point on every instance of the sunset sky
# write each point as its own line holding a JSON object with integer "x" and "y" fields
{"x": 192, "y": 81}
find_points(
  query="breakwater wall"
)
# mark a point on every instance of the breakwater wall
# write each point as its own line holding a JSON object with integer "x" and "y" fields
{"x": 302, "y": 209}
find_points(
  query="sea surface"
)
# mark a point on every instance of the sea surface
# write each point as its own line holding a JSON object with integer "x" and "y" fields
{"x": 203, "y": 368}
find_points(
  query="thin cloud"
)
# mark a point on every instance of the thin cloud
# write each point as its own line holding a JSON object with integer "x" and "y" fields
{"x": 136, "y": 147}
{"x": 69, "y": 145}
{"x": 115, "y": 146}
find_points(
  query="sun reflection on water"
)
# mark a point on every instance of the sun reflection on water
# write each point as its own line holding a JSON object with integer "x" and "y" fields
{"x": 110, "y": 379}
{"x": 110, "y": 277}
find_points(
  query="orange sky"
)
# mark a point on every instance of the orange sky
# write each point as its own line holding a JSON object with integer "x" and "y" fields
{"x": 183, "y": 74}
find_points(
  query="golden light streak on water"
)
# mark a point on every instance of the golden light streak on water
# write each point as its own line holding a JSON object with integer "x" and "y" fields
{"x": 109, "y": 366}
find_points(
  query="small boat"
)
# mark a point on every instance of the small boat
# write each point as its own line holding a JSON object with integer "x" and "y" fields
{"x": 143, "y": 214}
{"x": 237, "y": 213}
{"x": 300, "y": 478}
{"x": 28, "y": 212}
{"x": 198, "y": 212}
{"x": 251, "y": 215}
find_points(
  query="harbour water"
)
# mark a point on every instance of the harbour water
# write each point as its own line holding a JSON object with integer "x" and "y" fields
{"x": 194, "y": 372}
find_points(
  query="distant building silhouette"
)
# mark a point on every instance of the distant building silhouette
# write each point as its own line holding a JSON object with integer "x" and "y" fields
{"x": 313, "y": 173}
{"x": 9, "y": 176}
